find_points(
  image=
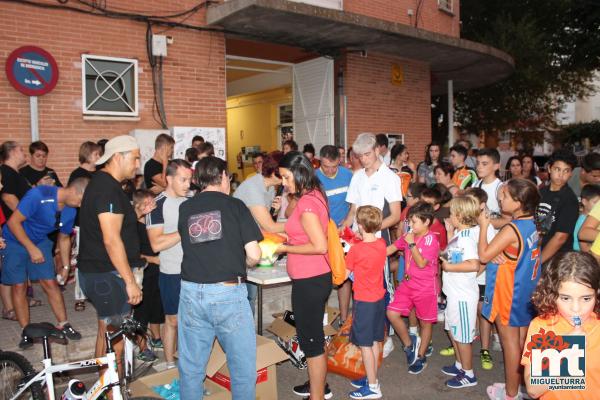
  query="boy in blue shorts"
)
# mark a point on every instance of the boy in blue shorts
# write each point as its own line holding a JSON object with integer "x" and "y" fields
{"x": 367, "y": 260}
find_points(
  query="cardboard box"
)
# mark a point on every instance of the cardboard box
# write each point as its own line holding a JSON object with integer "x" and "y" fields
{"x": 285, "y": 331}
{"x": 217, "y": 375}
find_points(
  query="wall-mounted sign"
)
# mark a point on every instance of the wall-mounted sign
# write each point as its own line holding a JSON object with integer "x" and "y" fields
{"x": 32, "y": 71}
{"x": 397, "y": 75}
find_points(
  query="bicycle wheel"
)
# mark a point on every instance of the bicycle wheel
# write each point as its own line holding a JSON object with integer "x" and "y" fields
{"x": 15, "y": 370}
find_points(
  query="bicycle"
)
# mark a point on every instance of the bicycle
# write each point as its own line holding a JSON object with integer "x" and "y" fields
{"x": 19, "y": 380}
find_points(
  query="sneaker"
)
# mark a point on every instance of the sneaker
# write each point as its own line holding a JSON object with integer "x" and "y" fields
{"x": 388, "y": 347}
{"x": 304, "y": 390}
{"x": 146, "y": 356}
{"x": 451, "y": 370}
{"x": 461, "y": 380}
{"x": 429, "y": 350}
{"x": 447, "y": 351}
{"x": 360, "y": 382}
{"x": 25, "y": 343}
{"x": 418, "y": 366}
{"x": 366, "y": 392}
{"x": 412, "y": 351}
{"x": 156, "y": 343}
{"x": 486, "y": 360}
{"x": 171, "y": 364}
{"x": 70, "y": 333}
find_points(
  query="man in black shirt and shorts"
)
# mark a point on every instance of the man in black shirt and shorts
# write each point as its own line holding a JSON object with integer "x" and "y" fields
{"x": 109, "y": 244}
{"x": 220, "y": 239}
{"x": 155, "y": 168}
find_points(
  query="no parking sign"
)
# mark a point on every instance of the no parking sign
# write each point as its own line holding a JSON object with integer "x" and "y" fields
{"x": 32, "y": 70}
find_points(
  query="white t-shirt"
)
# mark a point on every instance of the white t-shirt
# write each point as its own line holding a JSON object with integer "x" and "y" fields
{"x": 375, "y": 190}
{"x": 492, "y": 190}
{"x": 491, "y": 232}
{"x": 462, "y": 247}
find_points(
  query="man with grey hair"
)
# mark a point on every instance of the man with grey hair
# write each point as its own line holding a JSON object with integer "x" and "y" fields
{"x": 375, "y": 185}
{"x": 109, "y": 246}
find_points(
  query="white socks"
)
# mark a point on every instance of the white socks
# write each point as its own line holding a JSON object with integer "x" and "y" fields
{"x": 413, "y": 330}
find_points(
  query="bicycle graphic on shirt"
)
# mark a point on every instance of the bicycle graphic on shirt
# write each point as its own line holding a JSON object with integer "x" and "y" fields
{"x": 205, "y": 227}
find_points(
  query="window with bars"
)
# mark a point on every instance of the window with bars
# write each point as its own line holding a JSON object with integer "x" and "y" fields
{"x": 109, "y": 86}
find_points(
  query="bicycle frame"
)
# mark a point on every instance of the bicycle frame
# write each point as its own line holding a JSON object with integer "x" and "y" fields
{"x": 108, "y": 380}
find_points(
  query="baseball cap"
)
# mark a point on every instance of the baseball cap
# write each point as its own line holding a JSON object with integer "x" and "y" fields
{"x": 118, "y": 144}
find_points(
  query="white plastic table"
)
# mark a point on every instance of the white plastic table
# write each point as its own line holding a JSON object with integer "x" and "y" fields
{"x": 264, "y": 276}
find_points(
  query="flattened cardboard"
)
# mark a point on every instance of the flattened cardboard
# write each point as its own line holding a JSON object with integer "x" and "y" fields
{"x": 142, "y": 387}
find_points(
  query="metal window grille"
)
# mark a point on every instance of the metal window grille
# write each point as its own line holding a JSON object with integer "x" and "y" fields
{"x": 109, "y": 86}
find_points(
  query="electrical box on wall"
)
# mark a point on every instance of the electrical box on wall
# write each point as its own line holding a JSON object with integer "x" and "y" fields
{"x": 159, "y": 45}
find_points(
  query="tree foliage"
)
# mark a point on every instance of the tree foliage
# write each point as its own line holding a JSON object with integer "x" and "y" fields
{"x": 555, "y": 47}
{"x": 578, "y": 132}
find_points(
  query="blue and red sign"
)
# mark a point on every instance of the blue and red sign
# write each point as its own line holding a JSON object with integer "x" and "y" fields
{"x": 32, "y": 71}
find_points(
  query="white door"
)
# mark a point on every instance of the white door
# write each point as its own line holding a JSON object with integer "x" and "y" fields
{"x": 313, "y": 103}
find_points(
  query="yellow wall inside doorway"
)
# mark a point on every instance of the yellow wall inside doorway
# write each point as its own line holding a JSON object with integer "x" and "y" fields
{"x": 252, "y": 121}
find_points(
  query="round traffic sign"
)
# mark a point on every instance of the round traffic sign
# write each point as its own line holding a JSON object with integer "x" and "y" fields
{"x": 32, "y": 70}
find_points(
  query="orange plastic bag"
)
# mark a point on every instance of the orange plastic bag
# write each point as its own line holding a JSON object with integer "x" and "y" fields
{"x": 344, "y": 358}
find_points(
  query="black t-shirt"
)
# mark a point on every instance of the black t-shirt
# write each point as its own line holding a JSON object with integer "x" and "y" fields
{"x": 104, "y": 194}
{"x": 79, "y": 173}
{"x": 151, "y": 169}
{"x": 558, "y": 212}
{"x": 33, "y": 176}
{"x": 214, "y": 229}
{"x": 12, "y": 183}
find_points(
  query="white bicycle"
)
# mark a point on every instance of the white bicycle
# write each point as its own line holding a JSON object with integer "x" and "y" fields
{"x": 19, "y": 381}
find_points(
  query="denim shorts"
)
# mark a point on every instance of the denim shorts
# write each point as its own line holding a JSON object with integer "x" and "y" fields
{"x": 17, "y": 266}
{"x": 106, "y": 291}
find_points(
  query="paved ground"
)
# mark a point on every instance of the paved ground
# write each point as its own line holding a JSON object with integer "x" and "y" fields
{"x": 395, "y": 381}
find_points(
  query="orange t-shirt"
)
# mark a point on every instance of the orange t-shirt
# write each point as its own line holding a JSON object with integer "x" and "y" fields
{"x": 560, "y": 326}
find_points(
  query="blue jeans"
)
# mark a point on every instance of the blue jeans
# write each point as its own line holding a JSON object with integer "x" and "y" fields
{"x": 206, "y": 311}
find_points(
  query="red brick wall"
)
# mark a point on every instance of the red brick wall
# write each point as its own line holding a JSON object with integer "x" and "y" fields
{"x": 430, "y": 16}
{"x": 194, "y": 74}
{"x": 376, "y": 105}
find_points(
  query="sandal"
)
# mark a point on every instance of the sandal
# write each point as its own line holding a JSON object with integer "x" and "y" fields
{"x": 9, "y": 315}
{"x": 33, "y": 302}
{"x": 80, "y": 306}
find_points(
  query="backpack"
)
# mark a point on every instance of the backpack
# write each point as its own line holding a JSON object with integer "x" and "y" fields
{"x": 335, "y": 254}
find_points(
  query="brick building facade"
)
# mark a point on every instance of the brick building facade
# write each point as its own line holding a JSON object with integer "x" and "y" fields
{"x": 195, "y": 86}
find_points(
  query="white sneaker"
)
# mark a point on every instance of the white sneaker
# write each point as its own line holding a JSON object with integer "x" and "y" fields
{"x": 388, "y": 347}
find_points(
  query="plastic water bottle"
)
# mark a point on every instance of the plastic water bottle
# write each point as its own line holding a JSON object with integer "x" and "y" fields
{"x": 75, "y": 390}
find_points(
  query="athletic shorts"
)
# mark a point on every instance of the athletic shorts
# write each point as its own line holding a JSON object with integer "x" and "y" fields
{"x": 406, "y": 298}
{"x": 460, "y": 319}
{"x": 18, "y": 268}
{"x": 309, "y": 298}
{"x": 150, "y": 310}
{"x": 170, "y": 286}
{"x": 368, "y": 322}
{"x": 106, "y": 291}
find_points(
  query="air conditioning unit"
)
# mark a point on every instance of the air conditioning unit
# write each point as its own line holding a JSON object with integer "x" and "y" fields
{"x": 445, "y": 5}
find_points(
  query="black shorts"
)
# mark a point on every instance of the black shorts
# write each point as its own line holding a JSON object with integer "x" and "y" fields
{"x": 309, "y": 298}
{"x": 150, "y": 310}
{"x": 481, "y": 292}
{"x": 368, "y": 322}
{"x": 106, "y": 291}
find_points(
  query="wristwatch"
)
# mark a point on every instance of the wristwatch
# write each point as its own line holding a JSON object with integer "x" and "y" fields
{"x": 411, "y": 245}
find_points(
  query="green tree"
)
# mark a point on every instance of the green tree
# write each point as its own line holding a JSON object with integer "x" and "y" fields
{"x": 555, "y": 47}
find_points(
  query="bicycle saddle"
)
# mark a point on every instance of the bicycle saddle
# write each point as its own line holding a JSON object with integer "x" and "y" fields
{"x": 43, "y": 329}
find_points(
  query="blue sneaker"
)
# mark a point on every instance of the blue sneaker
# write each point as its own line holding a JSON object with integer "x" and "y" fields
{"x": 451, "y": 370}
{"x": 412, "y": 350}
{"x": 429, "y": 350}
{"x": 418, "y": 366}
{"x": 461, "y": 380}
{"x": 360, "y": 382}
{"x": 365, "y": 392}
